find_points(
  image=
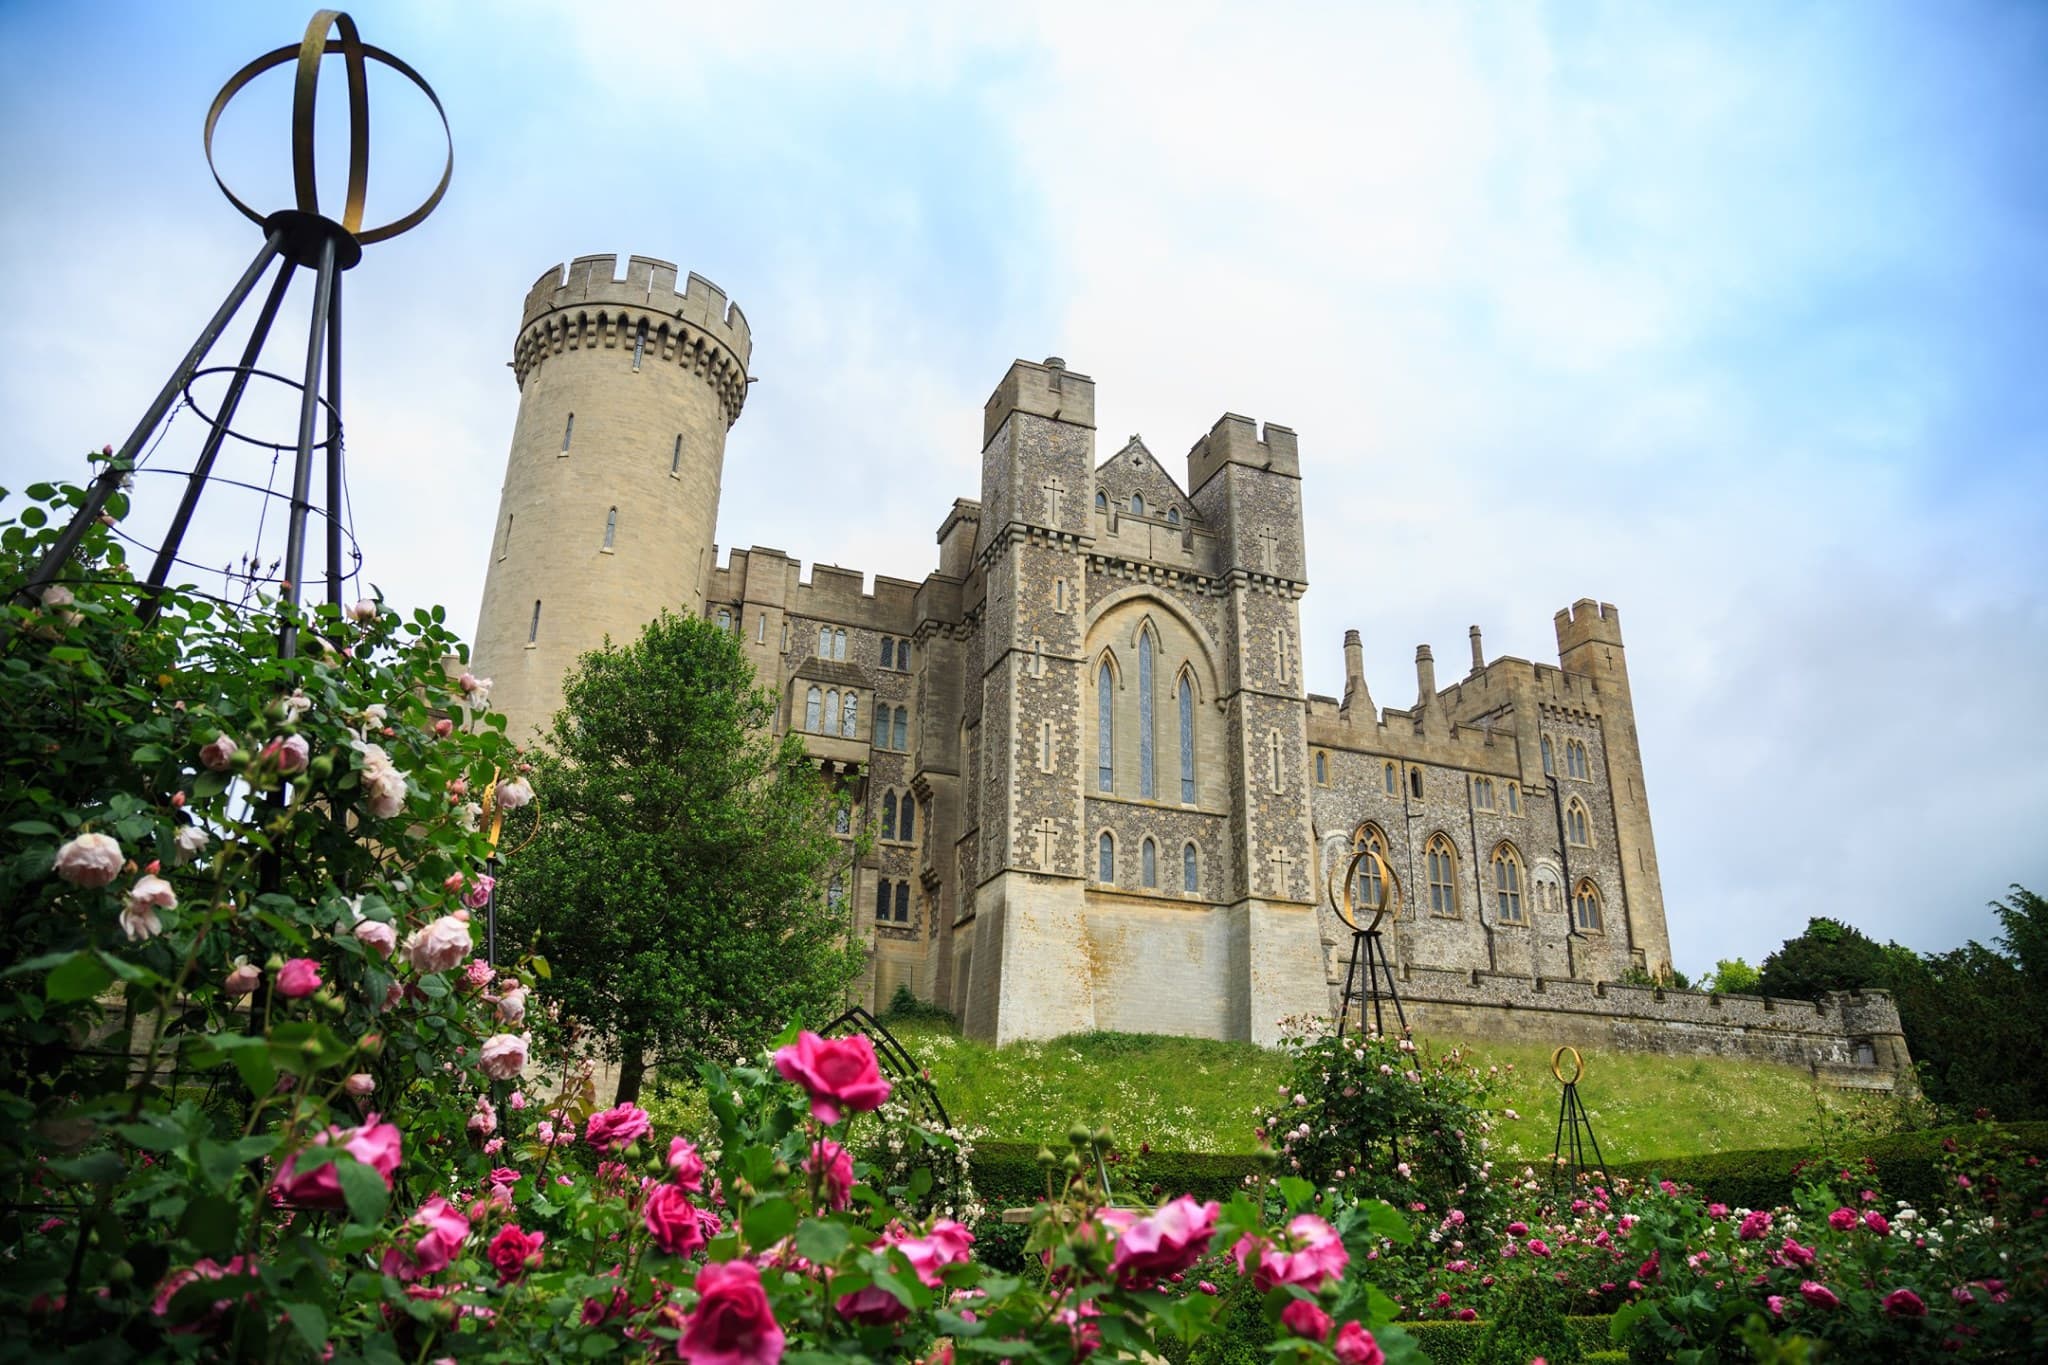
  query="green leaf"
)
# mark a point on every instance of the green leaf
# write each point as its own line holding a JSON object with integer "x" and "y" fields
{"x": 1386, "y": 1221}
{"x": 151, "y": 1138}
{"x": 81, "y": 977}
{"x": 309, "y": 1322}
{"x": 769, "y": 1221}
{"x": 97, "y": 1167}
{"x": 210, "y": 1224}
{"x": 34, "y": 827}
{"x": 541, "y": 968}
{"x": 820, "y": 1242}
{"x": 363, "y": 1188}
{"x": 257, "y": 1072}
{"x": 1296, "y": 1191}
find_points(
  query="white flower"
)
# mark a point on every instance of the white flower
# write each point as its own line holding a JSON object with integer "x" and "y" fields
{"x": 149, "y": 894}
{"x": 374, "y": 713}
{"x": 192, "y": 841}
{"x": 296, "y": 705}
{"x": 383, "y": 784}
{"x": 363, "y": 609}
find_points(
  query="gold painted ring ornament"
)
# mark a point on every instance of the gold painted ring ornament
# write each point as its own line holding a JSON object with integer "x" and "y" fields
{"x": 1578, "y": 1065}
{"x": 353, "y": 52}
{"x": 1347, "y": 906}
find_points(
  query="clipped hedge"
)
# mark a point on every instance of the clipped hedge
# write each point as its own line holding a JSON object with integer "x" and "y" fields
{"x": 1447, "y": 1341}
{"x": 1007, "y": 1175}
{"x": 1908, "y": 1166}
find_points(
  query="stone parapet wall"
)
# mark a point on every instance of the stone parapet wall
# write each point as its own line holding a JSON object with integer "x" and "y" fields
{"x": 1850, "y": 1039}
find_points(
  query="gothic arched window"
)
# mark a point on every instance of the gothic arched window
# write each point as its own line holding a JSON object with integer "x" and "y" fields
{"x": 1105, "y": 728}
{"x": 899, "y": 734}
{"x": 1549, "y": 762}
{"x": 824, "y": 642}
{"x": 1441, "y": 872}
{"x": 908, "y": 824}
{"x": 1507, "y": 884}
{"x": 1190, "y": 870}
{"x": 849, "y": 715}
{"x": 1187, "y": 740}
{"x": 842, "y": 821}
{"x": 1105, "y": 858}
{"x": 1577, "y": 828}
{"x": 839, "y": 644}
{"x": 1101, "y": 501}
{"x": 1391, "y": 783}
{"x": 1322, "y": 769}
{"x": 1371, "y": 885}
{"x": 888, "y": 815}
{"x": 1575, "y": 761}
{"x": 611, "y": 526}
{"x": 1415, "y": 783}
{"x": 881, "y": 739}
{"x": 903, "y": 902}
{"x": 1148, "y": 862}
{"x": 1586, "y": 906}
{"x": 1137, "y": 504}
{"x": 1148, "y": 785}
{"x": 813, "y": 701}
{"x": 882, "y": 900}
{"x": 1482, "y": 793}
{"x": 1173, "y": 516}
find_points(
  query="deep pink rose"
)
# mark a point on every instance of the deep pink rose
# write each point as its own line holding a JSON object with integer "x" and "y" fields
{"x": 376, "y": 1145}
{"x": 732, "y": 1323}
{"x": 685, "y": 1167}
{"x": 1877, "y": 1222}
{"x": 504, "y": 1175}
{"x": 1166, "y": 1243}
{"x": 479, "y": 893}
{"x": 1818, "y": 1294}
{"x": 90, "y": 860}
{"x": 1841, "y": 1220}
{"x": 832, "y": 1165}
{"x": 1304, "y": 1319}
{"x": 946, "y": 1244}
{"x": 672, "y": 1220}
{"x": 1355, "y": 1346}
{"x": 513, "y": 1252}
{"x": 1754, "y": 1226}
{"x": 204, "y": 1269}
{"x": 615, "y": 1129}
{"x": 1904, "y": 1303}
{"x": 1321, "y": 1256}
{"x": 837, "y": 1073}
{"x": 298, "y": 978}
{"x": 290, "y": 753}
{"x": 442, "y": 1231}
{"x": 872, "y": 1307}
{"x": 1791, "y": 1253}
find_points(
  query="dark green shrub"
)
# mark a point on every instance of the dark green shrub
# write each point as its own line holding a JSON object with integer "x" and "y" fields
{"x": 1529, "y": 1323}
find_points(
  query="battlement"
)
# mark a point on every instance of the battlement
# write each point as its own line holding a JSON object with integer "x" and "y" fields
{"x": 649, "y": 287}
{"x": 1049, "y": 390}
{"x": 770, "y": 578}
{"x": 1587, "y": 622}
{"x": 1239, "y": 440}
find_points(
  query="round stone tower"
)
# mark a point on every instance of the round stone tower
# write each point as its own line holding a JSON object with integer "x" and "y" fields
{"x": 626, "y": 390}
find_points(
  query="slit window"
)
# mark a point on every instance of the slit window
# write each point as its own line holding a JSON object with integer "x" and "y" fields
{"x": 849, "y": 715}
{"x": 888, "y": 815}
{"x": 1190, "y": 870}
{"x": 1148, "y": 863}
{"x": 675, "y": 458}
{"x": 903, "y": 902}
{"x": 1105, "y": 858}
{"x": 1105, "y": 730}
{"x": 639, "y": 343}
{"x": 882, "y": 899}
{"x": 1187, "y": 741}
{"x": 505, "y": 545}
{"x": 1147, "y": 777}
{"x": 813, "y": 700}
{"x": 568, "y": 432}
{"x": 611, "y": 527}
{"x": 533, "y": 626}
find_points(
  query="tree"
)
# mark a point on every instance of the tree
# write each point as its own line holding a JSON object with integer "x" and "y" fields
{"x": 1976, "y": 1018}
{"x": 1733, "y": 976}
{"x": 1829, "y": 956}
{"x": 676, "y": 879}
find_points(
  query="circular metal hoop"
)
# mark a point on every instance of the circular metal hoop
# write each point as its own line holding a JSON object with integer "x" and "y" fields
{"x": 354, "y": 53}
{"x": 1347, "y": 906}
{"x": 280, "y": 446}
{"x": 1557, "y": 1069}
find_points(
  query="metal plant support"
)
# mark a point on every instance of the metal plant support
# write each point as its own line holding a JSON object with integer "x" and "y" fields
{"x": 1369, "y": 964}
{"x": 1574, "y": 1124}
{"x": 293, "y": 238}
{"x": 907, "y": 1077}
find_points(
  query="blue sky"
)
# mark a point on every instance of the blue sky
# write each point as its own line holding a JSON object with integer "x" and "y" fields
{"x": 1732, "y": 316}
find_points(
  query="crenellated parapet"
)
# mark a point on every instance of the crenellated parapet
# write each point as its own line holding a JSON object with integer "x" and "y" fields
{"x": 581, "y": 306}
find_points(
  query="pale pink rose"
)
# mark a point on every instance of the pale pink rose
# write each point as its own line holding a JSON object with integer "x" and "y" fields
{"x": 513, "y": 793}
{"x": 290, "y": 754}
{"x": 468, "y": 682}
{"x": 364, "y": 609}
{"x": 440, "y": 945}
{"x": 504, "y": 1055}
{"x": 218, "y": 755}
{"x": 360, "y": 1084}
{"x": 242, "y": 980}
{"x": 512, "y": 1006}
{"x": 90, "y": 860}
{"x": 191, "y": 841}
{"x": 298, "y": 978}
{"x": 150, "y": 894}
{"x": 57, "y": 595}
{"x": 483, "y": 1119}
{"x": 383, "y": 784}
{"x": 838, "y": 1073}
{"x": 377, "y": 935}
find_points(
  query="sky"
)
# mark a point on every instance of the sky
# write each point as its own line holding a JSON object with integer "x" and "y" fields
{"x": 1734, "y": 316}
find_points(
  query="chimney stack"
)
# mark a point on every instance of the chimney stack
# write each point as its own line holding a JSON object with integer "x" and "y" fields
{"x": 1425, "y": 676}
{"x": 1478, "y": 652}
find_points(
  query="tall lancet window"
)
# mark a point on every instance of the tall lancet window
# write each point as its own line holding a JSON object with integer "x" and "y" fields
{"x": 1147, "y": 782}
{"x": 1105, "y": 728}
{"x": 1187, "y": 741}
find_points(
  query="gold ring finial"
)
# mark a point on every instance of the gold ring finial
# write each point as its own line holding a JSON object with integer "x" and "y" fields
{"x": 1557, "y": 1069}
{"x": 355, "y": 53}
{"x": 1347, "y": 906}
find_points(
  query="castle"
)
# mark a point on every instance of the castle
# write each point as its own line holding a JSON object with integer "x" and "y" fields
{"x": 1101, "y": 796}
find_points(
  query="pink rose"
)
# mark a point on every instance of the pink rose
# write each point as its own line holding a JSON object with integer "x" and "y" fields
{"x": 383, "y": 784}
{"x": 512, "y": 1252}
{"x": 90, "y": 860}
{"x": 205, "y": 1268}
{"x": 150, "y": 894}
{"x": 828, "y": 1161}
{"x": 503, "y": 1055}
{"x": 478, "y": 974}
{"x": 1166, "y": 1243}
{"x": 1843, "y": 1219}
{"x": 617, "y": 1128}
{"x": 242, "y": 980}
{"x": 479, "y": 893}
{"x": 364, "y": 609}
{"x": 872, "y": 1307}
{"x": 837, "y": 1073}
{"x": 376, "y": 1145}
{"x": 289, "y": 753}
{"x": 442, "y": 1233}
{"x": 1791, "y": 1253}
{"x": 218, "y": 755}
{"x": 1904, "y": 1303}
{"x": 1304, "y": 1319}
{"x": 512, "y": 1006}
{"x": 685, "y": 1166}
{"x": 378, "y": 936}
{"x": 360, "y": 1084}
{"x": 1537, "y": 1247}
{"x": 513, "y": 793}
{"x": 1754, "y": 1226}
{"x": 732, "y": 1323}
{"x": 672, "y": 1221}
{"x": 1877, "y": 1222}
{"x": 483, "y": 1119}
{"x": 298, "y": 978}
{"x": 440, "y": 945}
{"x": 1320, "y": 1259}
{"x": 946, "y": 1244}
{"x": 1818, "y": 1294}
{"x": 1355, "y": 1346}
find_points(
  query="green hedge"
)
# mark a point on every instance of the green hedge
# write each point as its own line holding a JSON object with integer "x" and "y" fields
{"x": 1447, "y": 1341}
{"x": 1006, "y": 1174}
{"x": 1908, "y": 1167}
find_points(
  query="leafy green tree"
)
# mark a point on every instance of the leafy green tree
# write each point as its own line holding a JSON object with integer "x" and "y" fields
{"x": 1829, "y": 956}
{"x": 676, "y": 879}
{"x": 1733, "y": 976}
{"x": 1976, "y": 1017}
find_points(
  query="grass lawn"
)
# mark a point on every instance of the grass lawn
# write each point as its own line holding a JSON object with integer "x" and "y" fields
{"x": 1191, "y": 1095}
